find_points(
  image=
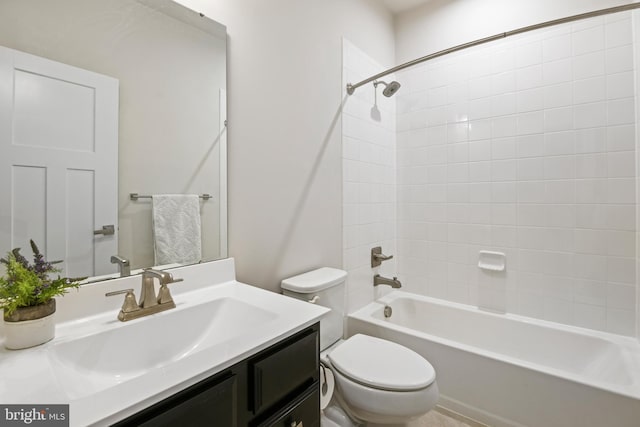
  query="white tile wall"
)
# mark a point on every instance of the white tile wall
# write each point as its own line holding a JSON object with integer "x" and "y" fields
{"x": 369, "y": 174}
{"x": 526, "y": 146}
{"x": 622, "y": 319}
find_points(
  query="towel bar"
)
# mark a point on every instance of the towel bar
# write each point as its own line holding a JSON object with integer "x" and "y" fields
{"x": 136, "y": 196}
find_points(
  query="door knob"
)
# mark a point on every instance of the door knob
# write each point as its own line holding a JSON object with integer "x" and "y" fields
{"x": 106, "y": 230}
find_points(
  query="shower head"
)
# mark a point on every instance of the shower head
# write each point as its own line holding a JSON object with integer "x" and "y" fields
{"x": 390, "y": 89}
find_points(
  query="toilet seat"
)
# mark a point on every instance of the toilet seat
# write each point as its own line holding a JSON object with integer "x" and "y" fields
{"x": 381, "y": 364}
{"x": 366, "y": 404}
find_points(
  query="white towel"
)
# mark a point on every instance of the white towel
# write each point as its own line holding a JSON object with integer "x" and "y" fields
{"x": 176, "y": 228}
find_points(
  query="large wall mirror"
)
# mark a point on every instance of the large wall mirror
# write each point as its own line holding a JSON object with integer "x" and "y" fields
{"x": 99, "y": 100}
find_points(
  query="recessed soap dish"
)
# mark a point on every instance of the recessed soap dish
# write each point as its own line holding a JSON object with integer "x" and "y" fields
{"x": 492, "y": 261}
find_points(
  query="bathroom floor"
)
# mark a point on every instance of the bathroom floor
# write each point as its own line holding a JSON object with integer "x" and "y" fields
{"x": 438, "y": 417}
{"x": 441, "y": 418}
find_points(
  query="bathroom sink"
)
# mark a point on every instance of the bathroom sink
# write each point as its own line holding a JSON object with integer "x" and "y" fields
{"x": 90, "y": 363}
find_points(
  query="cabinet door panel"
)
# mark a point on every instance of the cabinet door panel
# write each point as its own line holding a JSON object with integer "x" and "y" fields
{"x": 210, "y": 403}
{"x": 304, "y": 412}
{"x": 279, "y": 374}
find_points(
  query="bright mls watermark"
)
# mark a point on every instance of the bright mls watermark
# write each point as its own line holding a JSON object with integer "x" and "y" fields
{"x": 34, "y": 415}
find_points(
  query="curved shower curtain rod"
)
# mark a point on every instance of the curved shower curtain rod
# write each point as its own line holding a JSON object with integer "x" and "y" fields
{"x": 352, "y": 87}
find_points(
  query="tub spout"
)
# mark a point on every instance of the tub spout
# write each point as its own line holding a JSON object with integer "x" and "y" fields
{"x": 379, "y": 280}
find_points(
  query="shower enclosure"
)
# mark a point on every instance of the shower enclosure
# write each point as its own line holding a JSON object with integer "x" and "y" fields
{"x": 525, "y": 146}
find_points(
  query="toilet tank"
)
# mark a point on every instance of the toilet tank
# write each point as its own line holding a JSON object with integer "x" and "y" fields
{"x": 326, "y": 287}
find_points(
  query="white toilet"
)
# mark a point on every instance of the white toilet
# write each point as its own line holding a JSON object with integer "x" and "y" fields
{"x": 376, "y": 381}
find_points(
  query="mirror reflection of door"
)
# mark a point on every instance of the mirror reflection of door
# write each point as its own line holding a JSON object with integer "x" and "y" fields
{"x": 59, "y": 154}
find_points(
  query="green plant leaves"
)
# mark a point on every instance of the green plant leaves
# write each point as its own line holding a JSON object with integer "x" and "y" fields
{"x": 26, "y": 285}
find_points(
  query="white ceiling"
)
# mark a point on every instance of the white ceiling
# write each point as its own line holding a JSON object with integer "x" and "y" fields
{"x": 397, "y": 6}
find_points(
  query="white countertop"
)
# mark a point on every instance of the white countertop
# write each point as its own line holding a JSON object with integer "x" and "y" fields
{"x": 36, "y": 376}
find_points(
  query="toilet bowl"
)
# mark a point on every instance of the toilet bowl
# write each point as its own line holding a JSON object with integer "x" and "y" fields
{"x": 376, "y": 381}
{"x": 379, "y": 381}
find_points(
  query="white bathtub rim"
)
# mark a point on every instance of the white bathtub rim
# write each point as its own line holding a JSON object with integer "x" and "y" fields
{"x": 622, "y": 340}
{"x": 628, "y": 344}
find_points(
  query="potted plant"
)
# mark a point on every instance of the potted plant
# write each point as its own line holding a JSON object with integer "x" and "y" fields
{"x": 27, "y": 298}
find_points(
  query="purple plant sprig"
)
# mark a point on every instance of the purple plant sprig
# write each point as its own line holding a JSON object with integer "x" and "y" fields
{"x": 19, "y": 258}
{"x": 29, "y": 284}
{"x": 40, "y": 266}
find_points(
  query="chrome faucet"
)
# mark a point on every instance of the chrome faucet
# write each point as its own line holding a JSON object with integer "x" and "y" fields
{"x": 123, "y": 264}
{"x": 379, "y": 280}
{"x": 149, "y": 303}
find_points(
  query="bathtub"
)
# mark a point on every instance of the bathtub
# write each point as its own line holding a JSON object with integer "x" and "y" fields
{"x": 508, "y": 370}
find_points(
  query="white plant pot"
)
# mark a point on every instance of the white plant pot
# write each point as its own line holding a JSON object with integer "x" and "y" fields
{"x": 29, "y": 333}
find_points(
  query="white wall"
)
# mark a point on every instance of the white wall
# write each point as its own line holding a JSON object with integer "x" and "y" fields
{"x": 285, "y": 180}
{"x": 636, "y": 43}
{"x": 441, "y": 24}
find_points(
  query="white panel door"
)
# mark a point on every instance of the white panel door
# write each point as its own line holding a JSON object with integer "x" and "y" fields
{"x": 58, "y": 162}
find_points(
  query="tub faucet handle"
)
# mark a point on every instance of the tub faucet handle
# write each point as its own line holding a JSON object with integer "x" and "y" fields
{"x": 377, "y": 256}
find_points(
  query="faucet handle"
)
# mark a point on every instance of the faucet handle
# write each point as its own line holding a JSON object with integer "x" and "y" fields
{"x": 164, "y": 277}
{"x": 164, "y": 295}
{"x": 113, "y": 293}
{"x": 129, "y": 303}
{"x": 377, "y": 256}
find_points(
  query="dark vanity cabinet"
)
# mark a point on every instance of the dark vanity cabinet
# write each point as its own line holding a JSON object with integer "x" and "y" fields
{"x": 212, "y": 402}
{"x": 275, "y": 387}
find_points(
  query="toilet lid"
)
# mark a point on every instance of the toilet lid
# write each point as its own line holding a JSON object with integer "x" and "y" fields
{"x": 382, "y": 364}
